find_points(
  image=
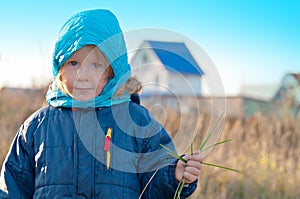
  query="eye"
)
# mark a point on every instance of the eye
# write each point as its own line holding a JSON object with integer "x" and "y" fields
{"x": 97, "y": 65}
{"x": 73, "y": 63}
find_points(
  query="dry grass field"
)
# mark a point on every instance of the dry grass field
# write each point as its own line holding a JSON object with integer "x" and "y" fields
{"x": 15, "y": 106}
{"x": 265, "y": 148}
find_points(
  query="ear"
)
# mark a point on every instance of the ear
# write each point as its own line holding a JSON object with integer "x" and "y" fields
{"x": 110, "y": 72}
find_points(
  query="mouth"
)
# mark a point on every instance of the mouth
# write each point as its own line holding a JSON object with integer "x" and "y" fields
{"x": 83, "y": 89}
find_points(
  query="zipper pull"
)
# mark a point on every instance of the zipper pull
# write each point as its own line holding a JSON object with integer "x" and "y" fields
{"x": 107, "y": 147}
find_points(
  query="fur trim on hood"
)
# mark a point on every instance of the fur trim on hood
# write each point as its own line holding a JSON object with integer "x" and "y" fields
{"x": 131, "y": 86}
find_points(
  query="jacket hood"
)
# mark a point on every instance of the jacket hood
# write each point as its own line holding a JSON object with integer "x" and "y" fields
{"x": 92, "y": 27}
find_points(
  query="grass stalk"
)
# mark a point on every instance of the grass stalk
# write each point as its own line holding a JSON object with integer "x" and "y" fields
{"x": 210, "y": 132}
{"x": 213, "y": 145}
{"x": 201, "y": 148}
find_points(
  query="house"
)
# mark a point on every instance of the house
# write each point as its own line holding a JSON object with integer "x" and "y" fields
{"x": 289, "y": 89}
{"x": 167, "y": 68}
{"x": 288, "y": 93}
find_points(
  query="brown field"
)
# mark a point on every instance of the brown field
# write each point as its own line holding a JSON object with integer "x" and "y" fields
{"x": 15, "y": 106}
{"x": 265, "y": 148}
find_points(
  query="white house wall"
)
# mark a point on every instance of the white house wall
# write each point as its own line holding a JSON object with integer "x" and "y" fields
{"x": 185, "y": 85}
{"x": 150, "y": 72}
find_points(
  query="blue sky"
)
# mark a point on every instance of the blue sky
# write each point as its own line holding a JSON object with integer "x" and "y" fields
{"x": 251, "y": 42}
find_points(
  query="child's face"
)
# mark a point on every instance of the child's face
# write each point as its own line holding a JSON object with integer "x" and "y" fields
{"x": 85, "y": 73}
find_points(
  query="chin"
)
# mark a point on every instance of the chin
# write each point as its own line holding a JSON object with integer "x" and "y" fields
{"x": 83, "y": 98}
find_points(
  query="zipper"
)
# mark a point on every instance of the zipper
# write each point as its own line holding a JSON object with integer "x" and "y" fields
{"x": 75, "y": 153}
{"x": 75, "y": 165}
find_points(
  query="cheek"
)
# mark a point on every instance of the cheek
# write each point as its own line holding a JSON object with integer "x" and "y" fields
{"x": 101, "y": 83}
{"x": 68, "y": 81}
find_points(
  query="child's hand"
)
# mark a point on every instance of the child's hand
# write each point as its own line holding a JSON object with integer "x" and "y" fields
{"x": 190, "y": 170}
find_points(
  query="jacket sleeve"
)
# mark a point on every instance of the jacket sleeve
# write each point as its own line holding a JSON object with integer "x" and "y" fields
{"x": 160, "y": 181}
{"x": 17, "y": 174}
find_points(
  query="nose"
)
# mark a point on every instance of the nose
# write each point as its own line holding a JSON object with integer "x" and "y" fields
{"x": 82, "y": 73}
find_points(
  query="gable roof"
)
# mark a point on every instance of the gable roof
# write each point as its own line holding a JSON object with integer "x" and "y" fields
{"x": 283, "y": 90}
{"x": 176, "y": 57}
{"x": 296, "y": 76}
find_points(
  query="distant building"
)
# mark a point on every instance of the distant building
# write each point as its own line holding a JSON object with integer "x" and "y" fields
{"x": 244, "y": 107}
{"x": 258, "y": 92}
{"x": 289, "y": 89}
{"x": 282, "y": 100}
{"x": 167, "y": 68}
{"x": 288, "y": 93}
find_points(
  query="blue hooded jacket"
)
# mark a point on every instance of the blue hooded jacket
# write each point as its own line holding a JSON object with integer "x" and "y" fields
{"x": 109, "y": 148}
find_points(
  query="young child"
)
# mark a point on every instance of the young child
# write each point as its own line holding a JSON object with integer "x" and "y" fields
{"x": 92, "y": 141}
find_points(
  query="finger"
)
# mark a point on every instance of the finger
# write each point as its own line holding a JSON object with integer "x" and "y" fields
{"x": 193, "y": 170}
{"x": 193, "y": 163}
{"x": 196, "y": 157}
{"x": 197, "y": 152}
{"x": 190, "y": 178}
